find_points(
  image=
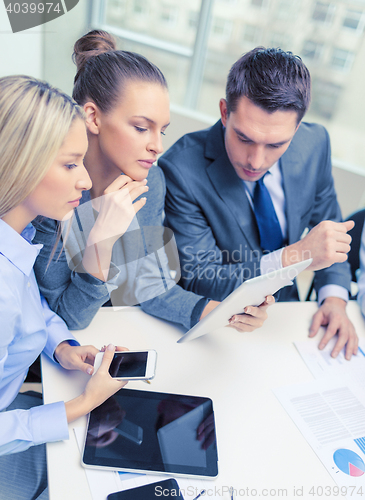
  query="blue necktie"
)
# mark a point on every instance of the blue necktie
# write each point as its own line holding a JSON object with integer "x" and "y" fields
{"x": 271, "y": 237}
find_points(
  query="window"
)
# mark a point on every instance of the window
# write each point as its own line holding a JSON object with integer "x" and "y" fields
{"x": 342, "y": 59}
{"x": 221, "y": 28}
{"x": 323, "y": 12}
{"x": 193, "y": 19}
{"x": 354, "y": 20}
{"x": 252, "y": 34}
{"x": 285, "y": 9}
{"x": 259, "y": 3}
{"x": 325, "y": 98}
{"x": 117, "y": 9}
{"x": 208, "y": 36}
{"x": 169, "y": 14}
{"x": 280, "y": 40}
{"x": 140, "y": 7}
{"x": 312, "y": 50}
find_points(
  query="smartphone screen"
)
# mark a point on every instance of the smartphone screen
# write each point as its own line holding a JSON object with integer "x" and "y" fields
{"x": 128, "y": 364}
{"x": 166, "y": 488}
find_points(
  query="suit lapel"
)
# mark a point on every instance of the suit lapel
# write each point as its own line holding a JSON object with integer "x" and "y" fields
{"x": 229, "y": 187}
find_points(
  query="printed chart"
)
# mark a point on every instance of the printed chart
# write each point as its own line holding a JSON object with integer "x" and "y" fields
{"x": 349, "y": 462}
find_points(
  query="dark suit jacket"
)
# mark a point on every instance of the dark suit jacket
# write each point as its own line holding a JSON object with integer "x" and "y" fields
{"x": 214, "y": 225}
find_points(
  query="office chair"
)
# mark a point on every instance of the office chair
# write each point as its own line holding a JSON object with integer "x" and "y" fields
{"x": 354, "y": 254}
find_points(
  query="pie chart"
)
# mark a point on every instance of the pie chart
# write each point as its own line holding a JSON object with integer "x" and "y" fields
{"x": 349, "y": 462}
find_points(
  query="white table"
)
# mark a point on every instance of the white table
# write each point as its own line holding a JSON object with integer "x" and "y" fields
{"x": 261, "y": 452}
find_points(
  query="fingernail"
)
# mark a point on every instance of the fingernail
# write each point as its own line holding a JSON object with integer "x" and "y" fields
{"x": 247, "y": 310}
{"x": 89, "y": 370}
{"x": 110, "y": 347}
{"x": 144, "y": 181}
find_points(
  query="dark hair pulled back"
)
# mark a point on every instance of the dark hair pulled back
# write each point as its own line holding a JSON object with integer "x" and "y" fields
{"x": 103, "y": 71}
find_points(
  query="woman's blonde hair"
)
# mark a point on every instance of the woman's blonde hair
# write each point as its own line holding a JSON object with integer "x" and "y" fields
{"x": 34, "y": 121}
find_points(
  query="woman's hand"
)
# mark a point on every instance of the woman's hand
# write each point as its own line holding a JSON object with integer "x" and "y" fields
{"x": 116, "y": 212}
{"x": 101, "y": 386}
{"x": 98, "y": 389}
{"x": 116, "y": 208}
{"x": 76, "y": 357}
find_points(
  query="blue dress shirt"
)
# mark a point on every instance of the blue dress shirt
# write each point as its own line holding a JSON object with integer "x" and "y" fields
{"x": 28, "y": 327}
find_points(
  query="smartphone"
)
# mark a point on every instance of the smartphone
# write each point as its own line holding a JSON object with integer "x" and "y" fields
{"x": 130, "y": 365}
{"x": 166, "y": 488}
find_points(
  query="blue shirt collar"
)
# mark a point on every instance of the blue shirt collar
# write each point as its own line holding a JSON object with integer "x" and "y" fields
{"x": 18, "y": 248}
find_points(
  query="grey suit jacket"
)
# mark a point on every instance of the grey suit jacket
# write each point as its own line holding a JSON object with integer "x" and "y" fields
{"x": 214, "y": 225}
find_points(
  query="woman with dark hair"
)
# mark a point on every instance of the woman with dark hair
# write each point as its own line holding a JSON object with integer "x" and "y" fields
{"x": 126, "y": 102}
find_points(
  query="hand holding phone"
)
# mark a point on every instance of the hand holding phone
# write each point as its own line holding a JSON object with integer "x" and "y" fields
{"x": 130, "y": 365}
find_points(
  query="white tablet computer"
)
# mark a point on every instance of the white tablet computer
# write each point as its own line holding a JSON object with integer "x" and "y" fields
{"x": 251, "y": 293}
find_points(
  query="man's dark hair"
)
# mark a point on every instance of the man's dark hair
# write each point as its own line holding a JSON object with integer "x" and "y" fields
{"x": 272, "y": 79}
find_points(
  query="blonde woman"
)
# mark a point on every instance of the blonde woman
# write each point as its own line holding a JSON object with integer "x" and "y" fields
{"x": 42, "y": 145}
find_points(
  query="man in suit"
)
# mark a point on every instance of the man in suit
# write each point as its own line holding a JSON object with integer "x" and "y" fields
{"x": 242, "y": 194}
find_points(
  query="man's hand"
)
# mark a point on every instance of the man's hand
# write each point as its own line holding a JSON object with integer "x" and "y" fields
{"x": 327, "y": 243}
{"x": 252, "y": 318}
{"x": 332, "y": 314}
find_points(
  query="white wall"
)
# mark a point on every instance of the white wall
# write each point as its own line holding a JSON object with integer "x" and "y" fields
{"x": 21, "y": 53}
{"x": 44, "y": 51}
{"x": 59, "y": 39}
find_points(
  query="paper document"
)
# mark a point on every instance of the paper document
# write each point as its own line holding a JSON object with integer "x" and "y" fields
{"x": 330, "y": 413}
{"x": 321, "y": 363}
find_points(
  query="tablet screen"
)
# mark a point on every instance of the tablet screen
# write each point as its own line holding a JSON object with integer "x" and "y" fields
{"x": 143, "y": 431}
